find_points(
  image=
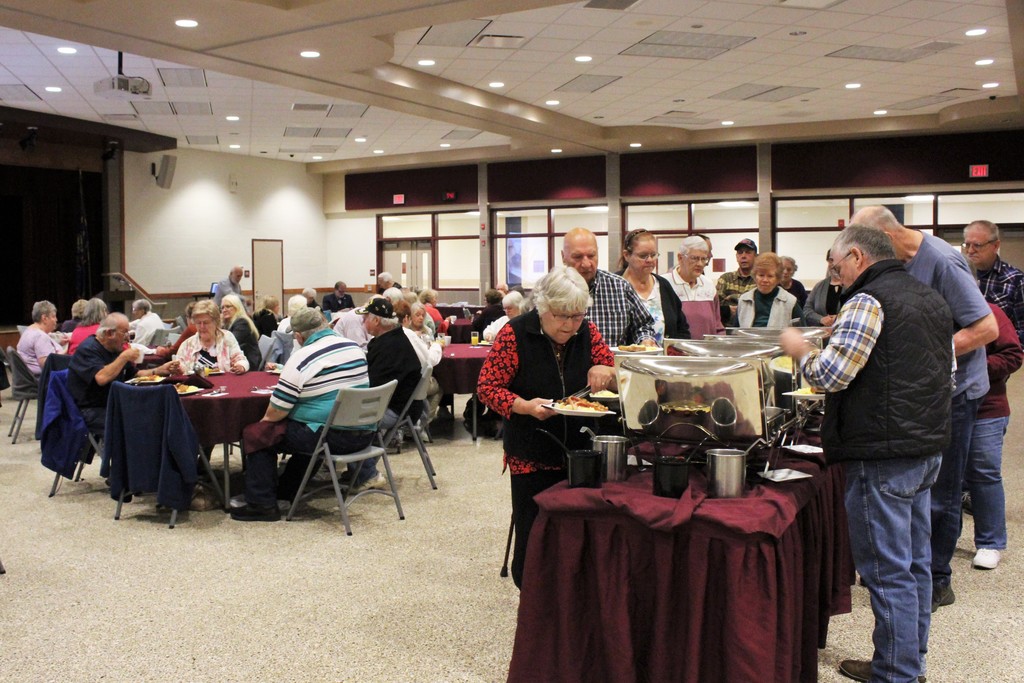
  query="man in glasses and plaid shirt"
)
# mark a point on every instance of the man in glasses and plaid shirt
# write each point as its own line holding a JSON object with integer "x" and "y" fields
{"x": 1001, "y": 283}
{"x": 617, "y": 311}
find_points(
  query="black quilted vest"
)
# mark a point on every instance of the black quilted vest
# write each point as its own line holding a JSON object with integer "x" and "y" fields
{"x": 898, "y": 405}
{"x": 538, "y": 375}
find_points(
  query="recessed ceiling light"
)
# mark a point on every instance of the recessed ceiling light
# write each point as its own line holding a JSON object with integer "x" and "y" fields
{"x": 852, "y": 86}
{"x": 636, "y": 144}
{"x": 186, "y": 23}
{"x": 378, "y": 151}
{"x": 496, "y": 84}
{"x": 66, "y": 50}
{"x": 360, "y": 139}
{"x": 556, "y": 150}
{"x": 234, "y": 147}
{"x": 798, "y": 33}
{"x": 426, "y": 62}
{"x": 52, "y": 88}
{"x": 583, "y": 58}
{"x": 309, "y": 54}
{"x": 446, "y": 144}
{"x": 728, "y": 123}
{"x": 976, "y": 32}
{"x": 317, "y": 158}
{"x": 989, "y": 85}
{"x": 984, "y": 62}
{"x": 552, "y": 103}
{"x": 881, "y": 112}
{"x": 230, "y": 118}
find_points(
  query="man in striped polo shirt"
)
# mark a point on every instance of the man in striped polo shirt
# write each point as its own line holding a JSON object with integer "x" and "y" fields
{"x": 305, "y": 393}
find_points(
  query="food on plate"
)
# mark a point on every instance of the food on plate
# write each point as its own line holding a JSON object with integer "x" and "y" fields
{"x": 782, "y": 363}
{"x": 808, "y": 391}
{"x": 184, "y": 389}
{"x": 604, "y": 393}
{"x": 577, "y": 403}
{"x": 633, "y": 348}
{"x": 149, "y": 379}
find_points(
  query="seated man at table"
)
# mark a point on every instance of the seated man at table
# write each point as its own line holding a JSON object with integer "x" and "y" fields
{"x": 100, "y": 360}
{"x": 303, "y": 397}
{"x": 390, "y": 355}
{"x": 491, "y": 312}
{"x": 887, "y": 372}
{"x": 339, "y": 299}
{"x": 145, "y": 322}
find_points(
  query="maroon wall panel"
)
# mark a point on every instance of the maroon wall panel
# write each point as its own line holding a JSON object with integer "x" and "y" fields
{"x": 656, "y": 174}
{"x": 923, "y": 160}
{"x": 546, "y": 179}
{"x": 421, "y": 187}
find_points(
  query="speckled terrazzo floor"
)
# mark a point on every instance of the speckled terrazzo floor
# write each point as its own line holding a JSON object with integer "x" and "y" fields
{"x": 87, "y": 598}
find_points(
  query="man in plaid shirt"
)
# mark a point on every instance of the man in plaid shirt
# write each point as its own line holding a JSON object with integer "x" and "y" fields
{"x": 617, "y": 311}
{"x": 731, "y": 285}
{"x": 887, "y": 370}
{"x": 1001, "y": 283}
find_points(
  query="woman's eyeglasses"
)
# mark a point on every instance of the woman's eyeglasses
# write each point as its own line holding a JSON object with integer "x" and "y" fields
{"x": 565, "y": 317}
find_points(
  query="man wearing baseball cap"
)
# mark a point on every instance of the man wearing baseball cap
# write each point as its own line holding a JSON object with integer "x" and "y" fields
{"x": 731, "y": 285}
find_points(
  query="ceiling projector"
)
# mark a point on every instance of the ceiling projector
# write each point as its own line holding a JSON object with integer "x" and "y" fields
{"x": 123, "y": 87}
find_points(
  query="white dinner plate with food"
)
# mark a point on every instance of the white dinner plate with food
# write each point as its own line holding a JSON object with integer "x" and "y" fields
{"x": 636, "y": 348}
{"x": 805, "y": 395}
{"x": 579, "y": 409}
{"x": 187, "y": 389}
{"x": 211, "y": 373}
{"x": 805, "y": 449}
{"x": 784, "y": 474}
{"x": 277, "y": 370}
{"x": 148, "y": 379}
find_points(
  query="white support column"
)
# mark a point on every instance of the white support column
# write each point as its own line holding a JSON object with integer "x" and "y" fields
{"x": 764, "y": 197}
{"x": 485, "y": 230}
{"x": 613, "y": 191}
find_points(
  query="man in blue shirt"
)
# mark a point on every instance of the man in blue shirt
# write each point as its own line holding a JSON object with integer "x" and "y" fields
{"x": 304, "y": 396}
{"x": 937, "y": 264}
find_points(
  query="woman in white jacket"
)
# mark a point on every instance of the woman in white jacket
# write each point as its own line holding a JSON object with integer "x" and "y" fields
{"x": 768, "y": 305}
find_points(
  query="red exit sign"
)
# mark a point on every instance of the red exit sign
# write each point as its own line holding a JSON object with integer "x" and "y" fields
{"x": 979, "y": 170}
{"x": 398, "y": 199}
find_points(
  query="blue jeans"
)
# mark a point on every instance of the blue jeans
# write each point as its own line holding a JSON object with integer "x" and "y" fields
{"x": 984, "y": 479}
{"x": 948, "y": 490}
{"x": 887, "y": 507}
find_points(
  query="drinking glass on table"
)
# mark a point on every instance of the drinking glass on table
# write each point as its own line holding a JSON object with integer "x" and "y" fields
{"x": 474, "y": 338}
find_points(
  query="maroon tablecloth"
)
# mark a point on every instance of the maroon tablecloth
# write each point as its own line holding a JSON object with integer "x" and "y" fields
{"x": 459, "y": 368}
{"x": 221, "y": 419}
{"x": 621, "y": 585}
{"x": 460, "y": 331}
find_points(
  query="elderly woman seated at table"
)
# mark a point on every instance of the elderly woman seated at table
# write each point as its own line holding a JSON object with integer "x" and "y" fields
{"x": 537, "y": 358}
{"x": 77, "y": 309}
{"x": 36, "y": 344}
{"x": 512, "y": 304}
{"x": 428, "y": 298}
{"x": 95, "y": 312}
{"x": 210, "y": 347}
{"x": 768, "y": 305}
{"x": 238, "y": 322}
{"x": 268, "y": 308}
{"x": 295, "y": 304}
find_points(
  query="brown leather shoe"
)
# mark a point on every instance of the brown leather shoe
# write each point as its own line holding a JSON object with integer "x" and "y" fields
{"x": 860, "y": 670}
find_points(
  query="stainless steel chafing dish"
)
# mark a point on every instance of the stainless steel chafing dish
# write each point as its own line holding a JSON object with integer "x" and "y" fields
{"x": 815, "y": 335}
{"x": 691, "y": 398}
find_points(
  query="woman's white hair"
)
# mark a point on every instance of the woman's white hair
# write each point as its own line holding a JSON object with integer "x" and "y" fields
{"x": 692, "y": 243}
{"x": 393, "y": 294}
{"x": 296, "y": 304}
{"x": 513, "y": 299}
{"x": 562, "y": 290}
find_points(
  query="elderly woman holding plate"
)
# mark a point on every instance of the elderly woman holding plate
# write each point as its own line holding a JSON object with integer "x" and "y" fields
{"x": 210, "y": 347}
{"x": 540, "y": 357}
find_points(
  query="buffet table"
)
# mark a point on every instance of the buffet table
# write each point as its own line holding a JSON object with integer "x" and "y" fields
{"x": 620, "y": 585}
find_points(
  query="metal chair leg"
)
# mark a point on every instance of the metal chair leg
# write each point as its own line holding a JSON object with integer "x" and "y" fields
{"x": 56, "y": 482}
{"x": 2, "y": 570}
{"x": 508, "y": 547}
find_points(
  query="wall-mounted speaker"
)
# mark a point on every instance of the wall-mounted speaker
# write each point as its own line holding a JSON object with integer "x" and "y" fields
{"x": 165, "y": 174}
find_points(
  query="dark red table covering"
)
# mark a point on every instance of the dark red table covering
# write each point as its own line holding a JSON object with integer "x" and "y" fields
{"x": 459, "y": 369}
{"x": 221, "y": 419}
{"x": 621, "y": 585}
{"x": 448, "y": 311}
{"x": 461, "y": 331}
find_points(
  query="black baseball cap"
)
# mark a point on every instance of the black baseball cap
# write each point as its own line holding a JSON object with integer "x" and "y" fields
{"x": 746, "y": 244}
{"x": 379, "y": 307}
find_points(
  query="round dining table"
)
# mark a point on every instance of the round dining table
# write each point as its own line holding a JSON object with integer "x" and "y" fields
{"x": 459, "y": 369}
{"x": 219, "y": 417}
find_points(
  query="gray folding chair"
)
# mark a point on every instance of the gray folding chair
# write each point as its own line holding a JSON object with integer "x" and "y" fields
{"x": 415, "y": 430}
{"x": 265, "y": 344}
{"x": 24, "y": 388}
{"x": 352, "y": 408}
{"x": 159, "y": 337}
